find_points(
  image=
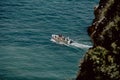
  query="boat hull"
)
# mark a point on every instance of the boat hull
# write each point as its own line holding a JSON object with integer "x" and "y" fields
{"x": 60, "y": 40}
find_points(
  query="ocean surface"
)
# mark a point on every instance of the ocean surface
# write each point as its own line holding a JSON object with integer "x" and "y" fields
{"x": 26, "y": 26}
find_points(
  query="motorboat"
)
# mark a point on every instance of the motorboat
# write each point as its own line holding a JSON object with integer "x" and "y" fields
{"x": 61, "y": 39}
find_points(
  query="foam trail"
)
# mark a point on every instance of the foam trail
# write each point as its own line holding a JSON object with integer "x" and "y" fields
{"x": 80, "y": 45}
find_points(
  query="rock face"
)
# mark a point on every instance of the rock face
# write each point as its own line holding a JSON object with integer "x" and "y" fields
{"x": 102, "y": 61}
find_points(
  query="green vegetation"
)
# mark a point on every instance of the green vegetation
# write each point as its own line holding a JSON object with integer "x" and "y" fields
{"x": 102, "y": 61}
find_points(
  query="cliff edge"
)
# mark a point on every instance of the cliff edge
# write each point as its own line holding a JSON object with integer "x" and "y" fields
{"x": 102, "y": 61}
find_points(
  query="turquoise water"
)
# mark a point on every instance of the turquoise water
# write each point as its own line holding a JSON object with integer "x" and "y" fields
{"x": 26, "y": 26}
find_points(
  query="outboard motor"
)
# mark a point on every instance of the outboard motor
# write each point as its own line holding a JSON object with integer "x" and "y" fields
{"x": 70, "y": 41}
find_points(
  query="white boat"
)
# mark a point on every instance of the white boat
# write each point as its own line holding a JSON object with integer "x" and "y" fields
{"x": 61, "y": 39}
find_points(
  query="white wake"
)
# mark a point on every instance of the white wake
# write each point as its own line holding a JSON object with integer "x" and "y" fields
{"x": 74, "y": 44}
{"x": 80, "y": 45}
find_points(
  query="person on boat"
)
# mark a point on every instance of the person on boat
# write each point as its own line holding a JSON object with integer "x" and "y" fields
{"x": 60, "y": 35}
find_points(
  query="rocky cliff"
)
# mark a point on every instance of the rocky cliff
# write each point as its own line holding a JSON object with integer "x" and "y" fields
{"x": 102, "y": 61}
